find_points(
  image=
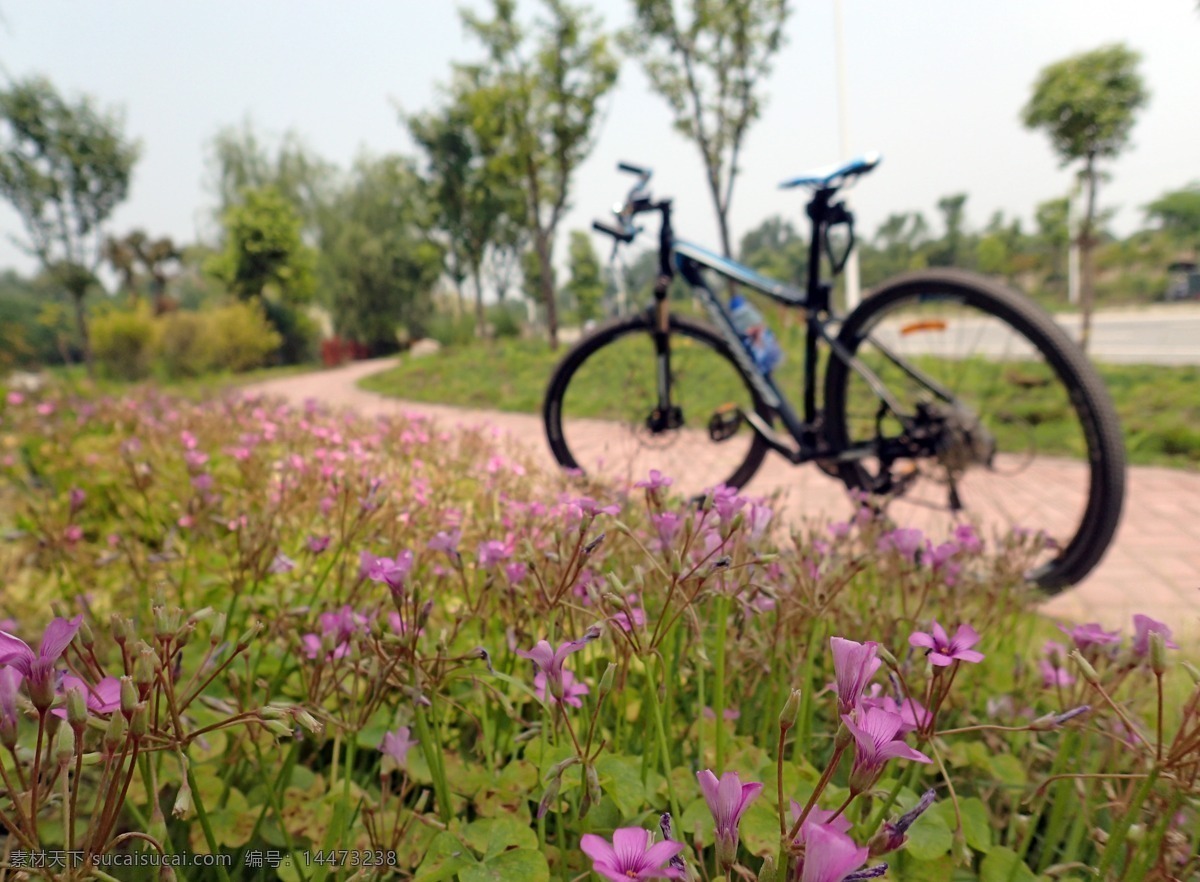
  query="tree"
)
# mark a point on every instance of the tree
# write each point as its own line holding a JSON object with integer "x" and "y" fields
{"x": 385, "y": 266}
{"x": 710, "y": 70}
{"x": 1087, "y": 105}
{"x": 136, "y": 249}
{"x": 949, "y": 251}
{"x": 470, "y": 195}
{"x": 1178, "y": 214}
{"x": 64, "y": 166}
{"x": 543, "y": 86}
{"x": 586, "y": 285}
{"x": 775, "y": 249}
{"x": 264, "y": 255}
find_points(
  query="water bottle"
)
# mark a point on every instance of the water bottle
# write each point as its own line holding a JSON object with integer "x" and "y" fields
{"x": 753, "y": 329}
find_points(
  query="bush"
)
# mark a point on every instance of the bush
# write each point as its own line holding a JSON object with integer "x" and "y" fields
{"x": 232, "y": 338}
{"x": 506, "y": 319}
{"x": 452, "y": 330}
{"x": 124, "y": 342}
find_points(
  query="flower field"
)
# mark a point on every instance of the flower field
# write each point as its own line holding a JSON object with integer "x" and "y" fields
{"x": 240, "y": 641}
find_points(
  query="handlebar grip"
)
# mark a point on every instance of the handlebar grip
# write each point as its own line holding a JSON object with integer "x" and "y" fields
{"x": 634, "y": 169}
{"x": 614, "y": 231}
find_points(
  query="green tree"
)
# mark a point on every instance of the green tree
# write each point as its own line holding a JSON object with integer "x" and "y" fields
{"x": 775, "y": 249}
{"x": 1087, "y": 105}
{"x": 470, "y": 194}
{"x": 949, "y": 250}
{"x": 64, "y": 166}
{"x": 1178, "y": 214}
{"x": 586, "y": 285}
{"x": 710, "y": 68}
{"x": 543, "y": 86}
{"x": 264, "y": 255}
{"x": 385, "y": 266}
{"x": 156, "y": 257}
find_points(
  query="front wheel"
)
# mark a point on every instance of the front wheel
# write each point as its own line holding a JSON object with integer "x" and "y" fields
{"x": 604, "y": 415}
{"x": 988, "y": 411}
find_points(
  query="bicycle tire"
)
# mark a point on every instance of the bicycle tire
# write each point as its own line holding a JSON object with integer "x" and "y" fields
{"x": 1101, "y": 433}
{"x": 681, "y": 329}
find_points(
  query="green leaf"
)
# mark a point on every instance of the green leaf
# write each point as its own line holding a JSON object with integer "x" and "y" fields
{"x": 1009, "y": 771}
{"x": 976, "y": 823}
{"x": 929, "y": 837}
{"x": 760, "y": 829}
{"x": 518, "y": 865}
{"x": 1004, "y": 865}
{"x": 492, "y": 836}
{"x": 445, "y": 857}
{"x": 621, "y": 778}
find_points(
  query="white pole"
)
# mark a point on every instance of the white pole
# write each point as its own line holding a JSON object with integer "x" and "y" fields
{"x": 1072, "y": 246}
{"x": 853, "y": 295}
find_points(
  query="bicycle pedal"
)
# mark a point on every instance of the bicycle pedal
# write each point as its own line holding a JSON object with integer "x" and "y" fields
{"x": 724, "y": 423}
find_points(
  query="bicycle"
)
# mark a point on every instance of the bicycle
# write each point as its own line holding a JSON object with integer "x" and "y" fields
{"x": 940, "y": 391}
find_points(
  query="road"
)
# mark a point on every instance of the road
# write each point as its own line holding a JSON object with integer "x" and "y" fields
{"x": 1166, "y": 334}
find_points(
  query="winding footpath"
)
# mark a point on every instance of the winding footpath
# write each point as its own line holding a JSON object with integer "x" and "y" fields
{"x": 1153, "y": 567}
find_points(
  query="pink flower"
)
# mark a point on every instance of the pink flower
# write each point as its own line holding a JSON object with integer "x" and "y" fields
{"x": 818, "y": 817}
{"x": 15, "y": 399}
{"x": 317, "y": 544}
{"x": 656, "y": 482}
{"x": 103, "y": 698}
{"x": 905, "y": 542}
{"x": 10, "y": 684}
{"x": 726, "y": 502}
{"x": 492, "y": 552}
{"x": 572, "y": 689}
{"x": 727, "y": 799}
{"x": 391, "y": 571}
{"x": 875, "y": 735}
{"x": 550, "y": 661}
{"x": 1054, "y": 676}
{"x": 854, "y": 664}
{"x": 943, "y": 650}
{"x": 968, "y": 539}
{"x": 515, "y": 572}
{"x": 38, "y": 668}
{"x": 759, "y": 520}
{"x": 281, "y": 564}
{"x": 632, "y": 855}
{"x": 447, "y": 541}
{"x": 1144, "y": 626}
{"x": 1091, "y": 634}
{"x": 397, "y": 745}
{"x": 830, "y": 855}
{"x": 667, "y": 524}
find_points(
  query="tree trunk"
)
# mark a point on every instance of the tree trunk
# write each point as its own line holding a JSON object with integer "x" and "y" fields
{"x": 480, "y": 318}
{"x": 84, "y": 338}
{"x": 1087, "y": 291}
{"x": 546, "y": 273}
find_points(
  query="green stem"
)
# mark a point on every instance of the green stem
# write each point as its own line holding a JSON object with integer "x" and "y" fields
{"x": 1116, "y": 839}
{"x": 665, "y": 757}
{"x": 719, "y": 678}
{"x": 433, "y": 758}
{"x": 202, "y": 815}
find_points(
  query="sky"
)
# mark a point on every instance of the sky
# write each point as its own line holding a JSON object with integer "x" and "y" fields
{"x": 936, "y": 86}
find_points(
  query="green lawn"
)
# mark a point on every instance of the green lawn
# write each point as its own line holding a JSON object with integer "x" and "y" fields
{"x": 1159, "y": 406}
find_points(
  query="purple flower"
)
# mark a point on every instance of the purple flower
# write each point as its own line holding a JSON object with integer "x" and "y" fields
{"x": 10, "y": 683}
{"x": 818, "y": 817}
{"x": 667, "y": 524}
{"x": 968, "y": 539}
{"x": 317, "y": 544}
{"x": 572, "y": 689}
{"x": 944, "y": 650}
{"x": 875, "y": 733}
{"x": 39, "y": 668}
{"x": 397, "y": 745}
{"x": 515, "y": 572}
{"x": 905, "y": 542}
{"x": 1090, "y": 634}
{"x": 727, "y": 799}
{"x": 830, "y": 855}
{"x": 759, "y": 520}
{"x": 1144, "y": 627}
{"x": 727, "y": 503}
{"x": 854, "y": 664}
{"x": 446, "y": 541}
{"x": 656, "y": 482}
{"x": 392, "y": 571}
{"x": 895, "y": 833}
{"x": 550, "y": 661}
{"x": 632, "y": 855}
{"x": 281, "y": 564}
{"x": 76, "y": 499}
{"x": 103, "y": 698}
{"x": 492, "y": 552}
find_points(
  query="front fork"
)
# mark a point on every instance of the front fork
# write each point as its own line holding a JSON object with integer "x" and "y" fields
{"x": 666, "y": 415}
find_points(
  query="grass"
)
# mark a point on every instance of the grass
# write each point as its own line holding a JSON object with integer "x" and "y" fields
{"x": 1157, "y": 405}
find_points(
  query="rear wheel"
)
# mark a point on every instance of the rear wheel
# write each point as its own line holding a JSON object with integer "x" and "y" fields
{"x": 995, "y": 416}
{"x": 602, "y": 411}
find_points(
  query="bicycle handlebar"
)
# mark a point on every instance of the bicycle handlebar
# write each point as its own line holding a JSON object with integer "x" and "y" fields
{"x": 621, "y": 235}
{"x": 635, "y": 201}
{"x": 634, "y": 169}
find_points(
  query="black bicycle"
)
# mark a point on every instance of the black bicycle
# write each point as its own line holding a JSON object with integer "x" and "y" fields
{"x": 943, "y": 392}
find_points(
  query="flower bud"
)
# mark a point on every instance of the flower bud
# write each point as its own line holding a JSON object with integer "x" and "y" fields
{"x": 307, "y": 720}
{"x": 736, "y": 524}
{"x": 85, "y": 636}
{"x": 1085, "y": 667}
{"x": 1158, "y": 653}
{"x": 201, "y": 614}
{"x": 614, "y": 582}
{"x": 121, "y": 628}
{"x": 676, "y": 563}
{"x": 606, "y": 681}
{"x": 768, "y": 872}
{"x": 64, "y": 746}
{"x": 76, "y": 707}
{"x": 184, "y": 635}
{"x": 248, "y": 636}
{"x": 791, "y": 709}
{"x": 549, "y": 796}
{"x": 129, "y": 696}
{"x": 114, "y": 735}
{"x": 183, "y": 801}
{"x": 558, "y": 768}
{"x": 843, "y": 738}
{"x": 217, "y": 633}
{"x": 278, "y": 728}
{"x": 139, "y": 723}
{"x": 1193, "y": 672}
{"x": 592, "y": 791}
{"x": 145, "y": 666}
{"x": 886, "y": 656}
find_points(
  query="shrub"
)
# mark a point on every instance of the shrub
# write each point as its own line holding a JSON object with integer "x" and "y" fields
{"x": 184, "y": 344}
{"x": 452, "y": 330}
{"x": 242, "y": 337}
{"x": 124, "y": 342}
{"x": 506, "y": 319}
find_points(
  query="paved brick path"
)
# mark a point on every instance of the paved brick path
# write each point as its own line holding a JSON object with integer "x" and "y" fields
{"x": 1153, "y": 567}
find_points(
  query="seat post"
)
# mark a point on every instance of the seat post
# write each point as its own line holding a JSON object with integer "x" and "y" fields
{"x": 818, "y": 211}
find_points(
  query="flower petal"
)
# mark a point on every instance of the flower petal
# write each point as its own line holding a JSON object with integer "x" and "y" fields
{"x": 58, "y": 636}
{"x": 598, "y": 849}
{"x": 920, "y": 638}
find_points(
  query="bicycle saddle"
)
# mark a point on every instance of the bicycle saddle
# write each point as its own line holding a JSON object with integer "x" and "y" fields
{"x": 829, "y": 175}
